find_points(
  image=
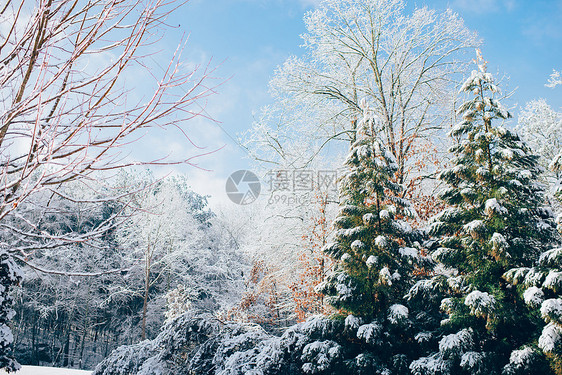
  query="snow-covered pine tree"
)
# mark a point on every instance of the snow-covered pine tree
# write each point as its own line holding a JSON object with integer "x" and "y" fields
{"x": 369, "y": 239}
{"x": 541, "y": 289}
{"x": 497, "y": 220}
{"x": 372, "y": 248}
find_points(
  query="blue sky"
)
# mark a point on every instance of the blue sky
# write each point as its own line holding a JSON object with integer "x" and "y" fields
{"x": 248, "y": 39}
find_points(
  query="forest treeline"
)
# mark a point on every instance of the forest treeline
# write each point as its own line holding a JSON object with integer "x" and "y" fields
{"x": 176, "y": 253}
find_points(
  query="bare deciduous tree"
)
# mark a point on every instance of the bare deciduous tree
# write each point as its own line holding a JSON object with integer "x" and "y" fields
{"x": 401, "y": 65}
{"x": 80, "y": 80}
{"x": 66, "y": 67}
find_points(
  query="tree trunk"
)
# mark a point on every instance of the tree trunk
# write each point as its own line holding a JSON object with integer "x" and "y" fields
{"x": 146, "y": 289}
{"x": 66, "y": 350}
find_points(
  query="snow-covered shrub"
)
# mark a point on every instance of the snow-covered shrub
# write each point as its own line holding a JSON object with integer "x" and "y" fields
{"x": 517, "y": 275}
{"x": 320, "y": 326}
{"x": 364, "y": 363}
{"x": 428, "y": 292}
{"x": 127, "y": 359}
{"x": 201, "y": 344}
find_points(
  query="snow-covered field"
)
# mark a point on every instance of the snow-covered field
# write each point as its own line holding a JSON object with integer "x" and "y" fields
{"x": 36, "y": 370}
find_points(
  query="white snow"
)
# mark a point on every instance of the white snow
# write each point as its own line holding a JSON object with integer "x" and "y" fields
{"x": 553, "y": 281}
{"x": 521, "y": 357}
{"x": 441, "y": 253}
{"x": 446, "y": 305}
{"x": 402, "y": 226}
{"x": 474, "y": 227}
{"x": 384, "y": 215}
{"x": 456, "y": 283}
{"x": 533, "y": 277}
{"x": 482, "y": 171}
{"x": 6, "y": 335}
{"x": 467, "y": 192}
{"x": 456, "y": 343}
{"x": 421, "y": 289}
{"x": 533, "y": 296}
{"x": 331, "y": 248}
{"x": 357, "y": 245}
{"x": 551, "y": 257}
{"x": 423, "y": 337}
{"x": 381, "y": 242}
{"x": 506, "y": 153}
{"x": 409, "y": 252}
{"x": 369, "y": 332}
{"x": 498, "y": 242}
{"x": 343, "y": 288}
{"x": 551, "y": 309}
{"x": 550, "y": 337}
{"x": 479, "y": 155}
{"x": 481, "y": 303}
{"x": 371, "y": 261}
{"x": 385, "y": 276}
{"x": 368, "y": 218}
{"x": 502, "y": 191}
{"x": 430, "y": 366}
{"x": 470, "y": 360}
{"x": 397, "y": 313}
{"x": 516, "y": 183}
{"x": 352, "y": 321}
{"x": 492, "y": 206}
{"x": 351, "y": 232}
{"x": 37, "y": 370}
{"x": 525, "y": 174}
{"x": 319, "y": 355}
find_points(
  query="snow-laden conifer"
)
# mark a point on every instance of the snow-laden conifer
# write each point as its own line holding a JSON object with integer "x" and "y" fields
{"x": 541, "y": 288}
{"x": 370, "y": 239}
{"x": 497, "y": 220}
{"x": 375, "y": 252}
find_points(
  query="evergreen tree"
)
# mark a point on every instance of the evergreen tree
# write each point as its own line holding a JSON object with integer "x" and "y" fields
{"x": 541, "y": 289}
{"x": 497, "y": 220}
{"x": 373, "y": 252}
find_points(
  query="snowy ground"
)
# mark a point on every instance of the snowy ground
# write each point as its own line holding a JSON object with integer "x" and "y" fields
{"x": 35, "y": 370}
